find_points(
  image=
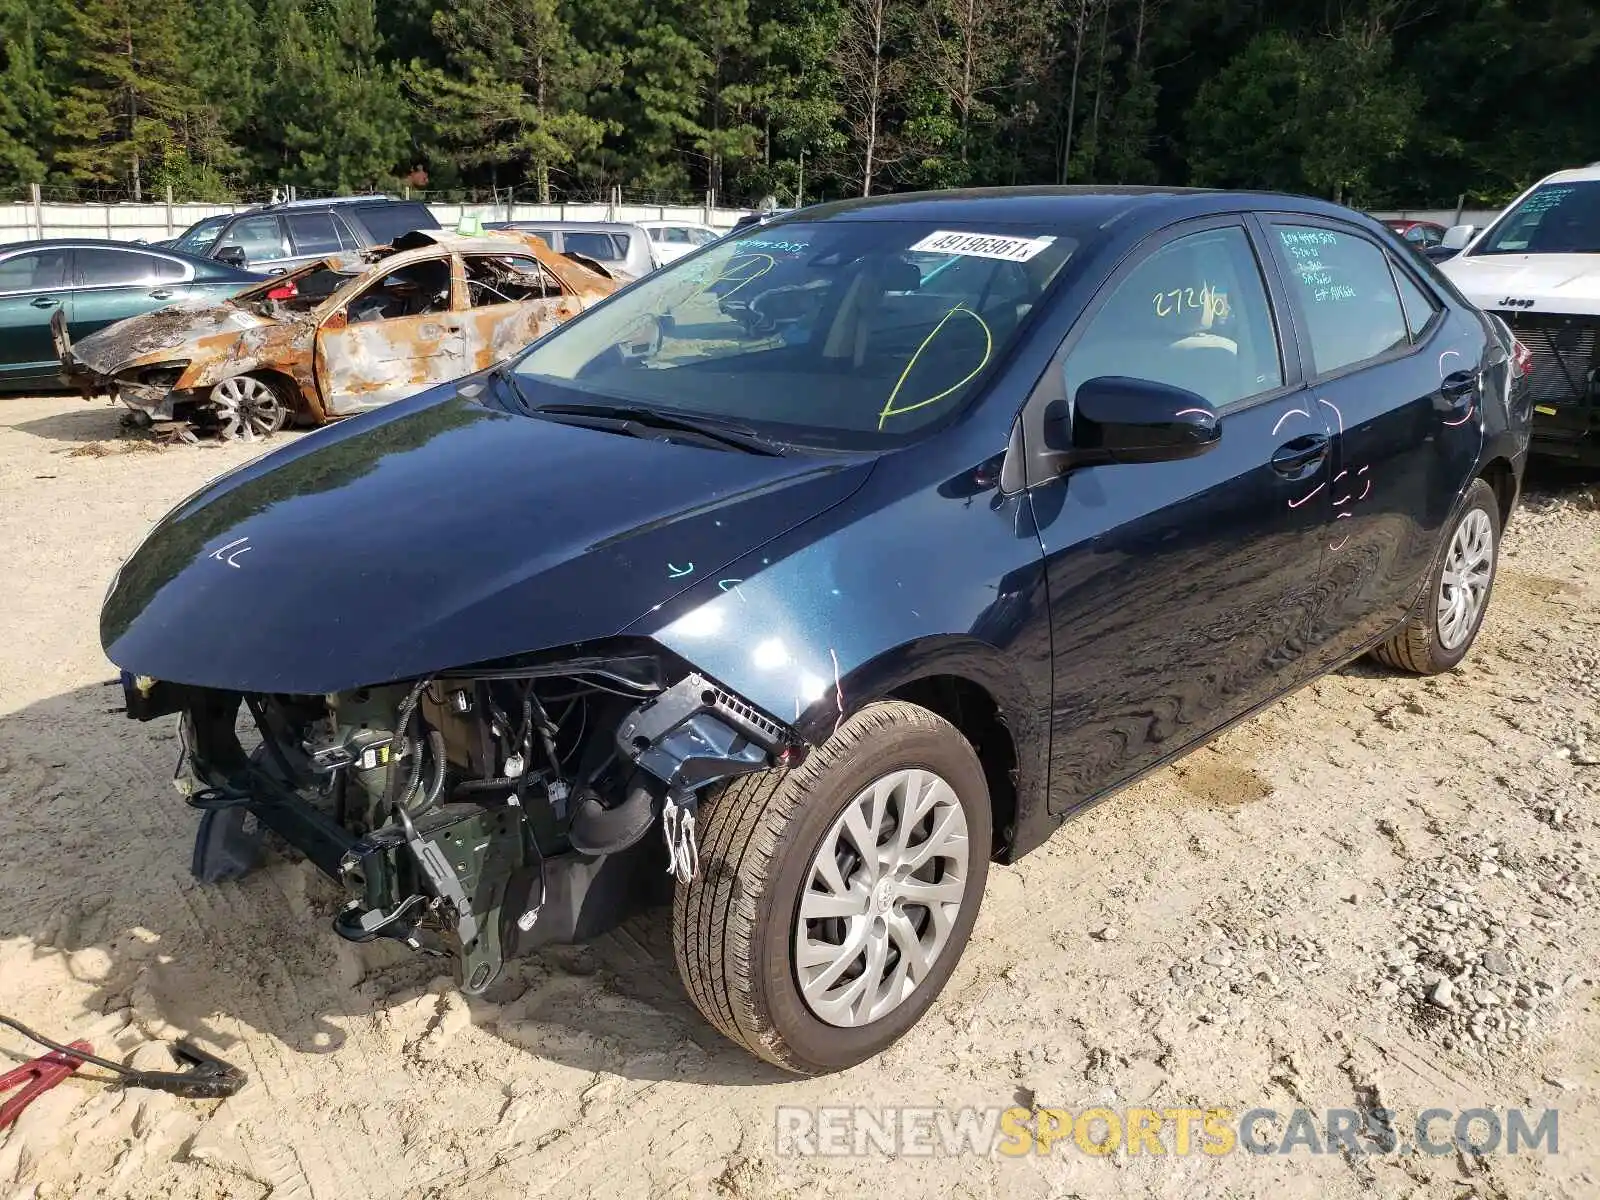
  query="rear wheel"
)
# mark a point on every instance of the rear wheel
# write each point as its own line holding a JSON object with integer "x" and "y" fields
{"x": 1443, "y": 626}
{"x": 834, "y": 900}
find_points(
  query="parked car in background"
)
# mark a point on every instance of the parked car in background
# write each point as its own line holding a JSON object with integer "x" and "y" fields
{"x": 840, "y": 609}
{"x": 619, "y": 248}
{"x": 337, "y": 336}
{"x": 1538, "y": 267}
{"x": 276, "y": 238}
{"x": 91, "y": 283}
{"x": 1419, "y": 234}
{"x": 674, "y": 239}
{"x": 760, "y": 218}
{"x": 199, "y": 237}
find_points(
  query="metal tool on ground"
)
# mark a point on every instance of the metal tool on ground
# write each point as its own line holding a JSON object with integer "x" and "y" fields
{"x": 203, "y": 1077}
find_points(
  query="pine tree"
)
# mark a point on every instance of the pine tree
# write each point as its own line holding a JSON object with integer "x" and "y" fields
{"x": 26, "y": 103}
{"x": 125, "y": 67}
{"x": 511, "y": 92}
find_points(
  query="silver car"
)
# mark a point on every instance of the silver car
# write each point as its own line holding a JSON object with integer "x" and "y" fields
{"x": 620, "y": 249}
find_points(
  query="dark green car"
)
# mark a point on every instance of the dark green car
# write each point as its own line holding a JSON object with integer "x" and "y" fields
{"x": 95, "y": 283}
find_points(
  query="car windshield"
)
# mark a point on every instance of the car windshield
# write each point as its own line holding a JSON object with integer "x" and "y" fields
{"x": 1558, "y": 218}
{"x": 850, "y": 334}
{"x": 200, "y": 236}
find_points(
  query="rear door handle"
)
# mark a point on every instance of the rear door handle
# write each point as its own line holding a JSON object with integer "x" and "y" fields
{"x": 1296, "y": 459}
{"x": 44, "y": 302}
{"x": 161, "y": 294}
{"x": 1459, "y": 387}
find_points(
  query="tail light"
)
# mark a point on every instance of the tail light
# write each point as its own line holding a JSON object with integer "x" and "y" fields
{"x": 1522, "y": 356}
{"x": 287, "y": 291}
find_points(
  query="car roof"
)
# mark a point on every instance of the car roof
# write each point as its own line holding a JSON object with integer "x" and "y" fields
{"x": 574, "y": 226}
{"x": 1044, "y": 204}
{"x": 100, "y": 244}
{"x": 1589, "y": 174}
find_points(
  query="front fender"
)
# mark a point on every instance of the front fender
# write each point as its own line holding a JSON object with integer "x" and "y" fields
{"x": 908, "y": 579}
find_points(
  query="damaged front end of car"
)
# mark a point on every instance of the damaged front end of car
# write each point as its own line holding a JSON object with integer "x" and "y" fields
{"x": 472, "y": 814}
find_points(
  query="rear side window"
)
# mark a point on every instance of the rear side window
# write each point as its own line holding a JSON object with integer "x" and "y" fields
{"x": 507, "y": 279}
{"x": 1347, "y": 294}
{"x": 314, "y": 233}
{"x": 595, "y": 245}
{"x": 1194, "y": 315}
{"x": 38, "y": 271}
{"x": 385, "y": 222}
{"x": 1418, "y": 305}
{"x": 111, "y": 268}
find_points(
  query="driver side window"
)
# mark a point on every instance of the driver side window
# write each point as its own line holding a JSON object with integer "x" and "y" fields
{"x": 1194, "y": 315}
{"x": 411, "y": 291}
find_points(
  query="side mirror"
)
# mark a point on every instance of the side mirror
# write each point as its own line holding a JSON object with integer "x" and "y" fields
{"x": 233, "y": 256}
{"x": 1120, "y": 420}
{"x": 1457, "y": 236}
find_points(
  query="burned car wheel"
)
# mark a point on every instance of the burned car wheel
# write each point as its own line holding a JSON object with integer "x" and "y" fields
{"x": 248, "y": 406}
{"x": 835, "y": 899}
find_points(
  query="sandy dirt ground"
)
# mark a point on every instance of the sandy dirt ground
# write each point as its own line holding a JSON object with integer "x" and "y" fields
{"x": 1267, "y": 924}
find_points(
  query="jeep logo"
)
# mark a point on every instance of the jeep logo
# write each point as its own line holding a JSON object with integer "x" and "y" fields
{"x": 1514, "y": 302}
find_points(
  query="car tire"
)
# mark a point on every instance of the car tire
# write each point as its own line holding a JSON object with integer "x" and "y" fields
{"x": 250, "y": 406}
{"x": 738, "y": 928}
{"x": 1446, "y": 620}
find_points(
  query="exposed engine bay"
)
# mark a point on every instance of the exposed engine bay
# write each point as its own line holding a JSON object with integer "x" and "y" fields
{"x": 470, "y": 815}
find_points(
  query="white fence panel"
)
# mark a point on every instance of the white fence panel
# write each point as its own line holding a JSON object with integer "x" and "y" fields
{"x": 22, "y": 220}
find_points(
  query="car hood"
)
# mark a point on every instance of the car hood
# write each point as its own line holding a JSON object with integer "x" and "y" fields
{"x": 178, "y": 331}
{"x": 440, "y": 532}
{"x": 1558, "y": 283}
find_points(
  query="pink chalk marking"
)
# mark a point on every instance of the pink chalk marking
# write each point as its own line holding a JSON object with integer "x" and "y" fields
{"x": 1289, "y": 414}
{"x": 1342, "y": 516}
{"x": 1345, "y": 499}
{"x": 1339, "y": 545}
{"x": 1365, "y": 491}
{"x": 1471, "y": 408}
{"x": 1340, "y": 476}
{"x": 1197, "y": 412}
{"x": 1307, "y": 496}
{"x": 1362, "y": 471}
{"x": 1336, "y": 411}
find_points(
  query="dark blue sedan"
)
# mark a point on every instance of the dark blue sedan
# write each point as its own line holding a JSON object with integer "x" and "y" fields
{"x": 817, "y": 571}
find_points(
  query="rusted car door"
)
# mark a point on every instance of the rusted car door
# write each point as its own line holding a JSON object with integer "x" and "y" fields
{"x": 395, "y": 337}
{"x": 510, "y": 300}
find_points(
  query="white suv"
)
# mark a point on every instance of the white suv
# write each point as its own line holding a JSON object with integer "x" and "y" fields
{"x": 671, "y": 240}
{"x": 1538, "y": 267}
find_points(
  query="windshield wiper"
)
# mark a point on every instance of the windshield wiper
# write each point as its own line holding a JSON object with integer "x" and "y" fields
{"x": 636, "y": 421}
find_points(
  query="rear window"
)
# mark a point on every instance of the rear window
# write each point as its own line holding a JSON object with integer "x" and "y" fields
{"x": 596, "y": 245}
{"x": 385, "y": 222}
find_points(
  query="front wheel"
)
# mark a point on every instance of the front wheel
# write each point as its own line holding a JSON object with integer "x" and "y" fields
{"x": 247, "y": 406}
{"x": 834, "y": 899}
{"x": 1443, "y": 626}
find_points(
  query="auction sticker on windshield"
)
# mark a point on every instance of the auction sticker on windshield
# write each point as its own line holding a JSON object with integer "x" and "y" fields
{"x": 983, "y": 245}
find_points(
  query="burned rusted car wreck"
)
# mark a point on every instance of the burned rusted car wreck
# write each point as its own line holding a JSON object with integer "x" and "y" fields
{"x": 338, "y": 337}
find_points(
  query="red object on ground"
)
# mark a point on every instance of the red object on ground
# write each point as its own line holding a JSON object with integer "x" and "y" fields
{"x": 36, "y": 1078}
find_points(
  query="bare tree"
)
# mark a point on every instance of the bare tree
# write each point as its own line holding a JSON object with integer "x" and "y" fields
{"x": 862, "y": 57}
{"x": 968, "y": 44}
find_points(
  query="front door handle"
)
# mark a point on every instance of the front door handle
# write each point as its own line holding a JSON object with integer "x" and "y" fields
{"x": 1296, "y": 459}
{"x": 44, "y": 302}
{"x": 161, "y": 294}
